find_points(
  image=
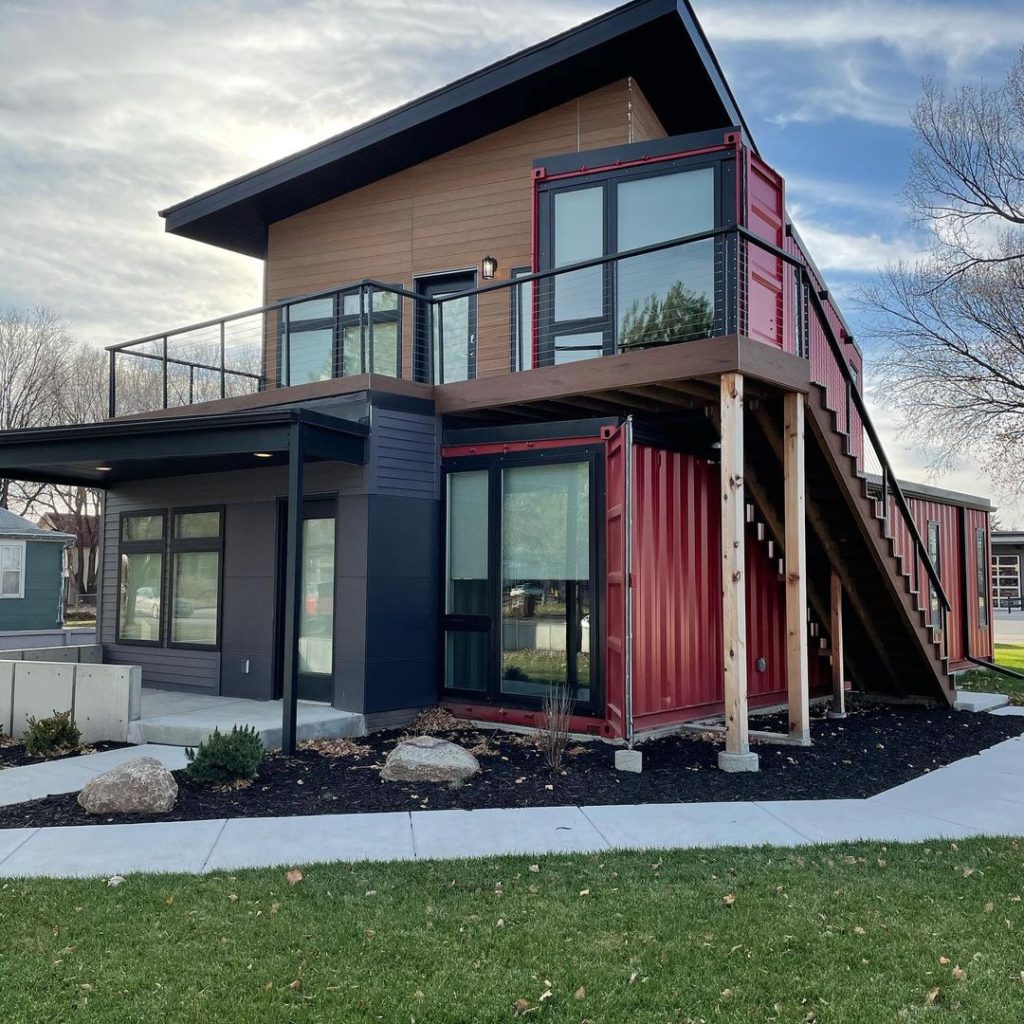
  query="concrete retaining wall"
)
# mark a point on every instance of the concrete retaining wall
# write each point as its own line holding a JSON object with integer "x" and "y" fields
{"x": 70, "y": 636}
{"x": 103, "y": 699}
{"x": 85, "y": 654}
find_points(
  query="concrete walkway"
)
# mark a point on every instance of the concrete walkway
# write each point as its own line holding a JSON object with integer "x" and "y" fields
{"x": 979, "y": 795}
{"x": 186, "y": 719}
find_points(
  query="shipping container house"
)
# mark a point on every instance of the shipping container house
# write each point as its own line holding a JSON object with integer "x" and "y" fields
{"x": 546, "y": 391}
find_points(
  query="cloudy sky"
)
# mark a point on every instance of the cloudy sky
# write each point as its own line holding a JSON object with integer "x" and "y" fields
{"x": 110, "y": 111}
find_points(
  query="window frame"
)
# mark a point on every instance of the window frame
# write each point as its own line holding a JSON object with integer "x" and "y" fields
{"x": 23, "y": 547}
{"x": 336, "y": 323}
{"x": 981, "y": 577}
{"x": 491, "y": 623}
{"x": 934, "y": 606}
{"x": 194, "y": 545}
{"x": 142, "y": 547}
{"x": 723, "y": 216}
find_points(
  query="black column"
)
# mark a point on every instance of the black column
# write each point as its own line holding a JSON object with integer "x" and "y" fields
{"x": 292, "y": 585}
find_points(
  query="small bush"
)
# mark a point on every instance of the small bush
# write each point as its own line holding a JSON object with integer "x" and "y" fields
{"x": 54, "y": 735}
{"x": 556, "y": 715}
{"x": 223, "y": 758}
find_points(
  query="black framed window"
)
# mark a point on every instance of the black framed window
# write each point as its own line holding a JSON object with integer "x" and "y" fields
{"x": 522, "y": 605}
{"x": 141, "y": 578}
{"x": 935, "y": 554}
{"x": 669, "y": 295}
{"x": 981, "y": 574}
{"x": 358, "y": 330}
{"x": 196, "y": 550}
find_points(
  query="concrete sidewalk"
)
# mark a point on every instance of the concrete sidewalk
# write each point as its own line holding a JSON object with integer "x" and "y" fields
{"x": 979, "y": 795}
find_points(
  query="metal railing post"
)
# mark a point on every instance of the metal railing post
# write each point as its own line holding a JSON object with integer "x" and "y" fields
{"x": 223, "y": 359}
{"x": 165, "y": 372}
{"x": 112, "y": 386}
{"x": 369, "y": 327}
{"x": 439, "y": 305}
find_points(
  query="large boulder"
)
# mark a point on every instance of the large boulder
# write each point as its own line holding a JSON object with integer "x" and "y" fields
{"x": 429, "y": 759}
{"x": 140, "y": 786}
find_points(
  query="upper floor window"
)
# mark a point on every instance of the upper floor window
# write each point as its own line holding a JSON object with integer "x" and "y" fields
{"x": 12, "y": 569}
{"x": 934, "y": 553}
{"x": 656, "y": 297}
{"x": 981, "y": 571}
{"x": 354, "y": 331}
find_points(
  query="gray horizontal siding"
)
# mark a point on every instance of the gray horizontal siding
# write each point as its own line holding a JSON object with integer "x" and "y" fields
{"x": 43, "y": 586}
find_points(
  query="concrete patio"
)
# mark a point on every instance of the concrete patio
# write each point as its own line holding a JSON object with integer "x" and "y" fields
{"x": 186, "y": 719}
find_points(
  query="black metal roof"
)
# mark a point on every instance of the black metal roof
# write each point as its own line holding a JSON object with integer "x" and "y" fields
{"x": 121, "y": 450}
{"x": 657, "y": 42}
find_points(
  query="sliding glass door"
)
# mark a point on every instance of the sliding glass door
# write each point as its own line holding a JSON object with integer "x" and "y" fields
{"x": 520, "y": 610}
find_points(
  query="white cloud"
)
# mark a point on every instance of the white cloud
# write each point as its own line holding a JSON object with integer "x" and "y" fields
{"x": 847, "y": 252}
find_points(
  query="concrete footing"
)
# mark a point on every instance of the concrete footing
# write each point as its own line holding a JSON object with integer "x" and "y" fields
{"x": 627, "y": 760}
{"x": 967, "y": 701}
{"x": 747, "y": 762}
{"x": 835, "y": 714}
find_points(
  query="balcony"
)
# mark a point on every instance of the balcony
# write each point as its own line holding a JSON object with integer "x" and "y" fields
{"x": 717, "y": 283}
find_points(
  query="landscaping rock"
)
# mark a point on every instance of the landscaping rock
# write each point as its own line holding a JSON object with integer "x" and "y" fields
{"x": 140, "y": 786}
{"x": 429, "y": 759}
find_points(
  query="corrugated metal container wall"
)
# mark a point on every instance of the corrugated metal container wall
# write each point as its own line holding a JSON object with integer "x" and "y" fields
{"x": 950, "y": 564}
{"x": 979, "y": 633}
{"x": 677, "y": 627}
{"x": 768, "y": 299}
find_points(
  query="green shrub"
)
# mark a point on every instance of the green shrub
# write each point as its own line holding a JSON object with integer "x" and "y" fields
{"x": 223, "y": 758}
{"x": 54, "y": 735}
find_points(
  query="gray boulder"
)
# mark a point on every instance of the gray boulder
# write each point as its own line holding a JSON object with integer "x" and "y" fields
{"x": 429, "y": 759}
{"x": 140, "y": 786}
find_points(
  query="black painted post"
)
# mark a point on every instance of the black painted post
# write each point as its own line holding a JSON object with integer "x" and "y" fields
{"x": 292, "y": 589}
{"x": 112, "y": 387}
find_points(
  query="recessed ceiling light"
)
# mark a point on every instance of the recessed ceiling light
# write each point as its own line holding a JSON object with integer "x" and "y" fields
{"x": 102, "y": 469}
{"x": 263, "y": 455}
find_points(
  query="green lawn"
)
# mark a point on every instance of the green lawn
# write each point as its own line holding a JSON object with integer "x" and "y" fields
{"x": 854, "y": 933}
{"x": 1010, "y": 655}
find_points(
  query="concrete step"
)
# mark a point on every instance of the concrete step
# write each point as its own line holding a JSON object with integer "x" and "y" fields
{"x": 968, "y": 701}
{"x": 185, "y": 719}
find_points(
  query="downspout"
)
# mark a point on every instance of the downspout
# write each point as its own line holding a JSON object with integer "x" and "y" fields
{"x": 994, "y": 667}
{"x": 628, "y": 575}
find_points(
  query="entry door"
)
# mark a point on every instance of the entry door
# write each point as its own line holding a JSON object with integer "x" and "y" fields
{"x": 316, "y": 614}
{"x": 446, "y": 332}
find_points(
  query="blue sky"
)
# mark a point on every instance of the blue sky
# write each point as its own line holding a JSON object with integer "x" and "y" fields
{"x": 112, "y": 109}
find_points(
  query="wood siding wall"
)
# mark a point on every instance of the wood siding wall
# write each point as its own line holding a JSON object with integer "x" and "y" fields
{"x": 448, "y": 212}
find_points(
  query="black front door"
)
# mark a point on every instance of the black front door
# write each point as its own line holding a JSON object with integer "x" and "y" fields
{"x": 316, "y": 614}
{"x": 446, "y": 331}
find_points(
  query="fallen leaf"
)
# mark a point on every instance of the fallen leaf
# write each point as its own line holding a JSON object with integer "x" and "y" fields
{"x": 371, "y": 892}
{"x": 580, "y": 993}
{"x": 989, "y": 907}
{"x": 521, "y": 1006}
{"x": 726, "y": 993}
{"x": 943, "y": 959}
{"x": 500, "y": 923}
{"x": 296, "y": 985}
{"x": 859, "y": 931}
{"x": 584, "y": 892}
{"x": 535, "y": 867}
{"x": 634, "y": 976}
{"x": 729, "y": 899}
{"x": 932, "y": 996}
{"x": 418, "y": 994}
{"x": 959, "y": 973}
{"x": 115, "y": 880}
{"x": 294, "y": 876}
{"x": 546, "y": 994}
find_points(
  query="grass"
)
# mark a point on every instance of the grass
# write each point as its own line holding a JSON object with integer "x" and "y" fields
{"x": 830, "y": 935}
{"x": 1009, "y": 655}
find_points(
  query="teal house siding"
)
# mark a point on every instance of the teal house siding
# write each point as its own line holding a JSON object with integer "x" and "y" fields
{"x": 40, "y": 608}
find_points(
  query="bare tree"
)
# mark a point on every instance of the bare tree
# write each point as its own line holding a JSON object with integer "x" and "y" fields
{"x": 952, "y": 323}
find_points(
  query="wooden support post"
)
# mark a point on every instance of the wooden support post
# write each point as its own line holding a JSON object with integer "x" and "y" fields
{"x": 292, "y": 590}
{"x": 838, "y": 678}
{"x": 797, "y": 683}
{"x": 737, "y": 756}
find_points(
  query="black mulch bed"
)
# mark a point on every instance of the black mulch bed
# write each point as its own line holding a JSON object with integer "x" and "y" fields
{"x": 874, "y": 749}
{"x": 13, "y": 755}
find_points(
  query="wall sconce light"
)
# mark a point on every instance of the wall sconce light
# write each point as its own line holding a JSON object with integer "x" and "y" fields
{"x": 488, "y": 266}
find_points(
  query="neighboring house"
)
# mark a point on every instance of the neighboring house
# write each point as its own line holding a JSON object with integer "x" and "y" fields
{"x": 1007, "y": 553}
{"x": 33, "y": 576}
{"x": 83, "y": 558}
{"x": 546, "y": 391}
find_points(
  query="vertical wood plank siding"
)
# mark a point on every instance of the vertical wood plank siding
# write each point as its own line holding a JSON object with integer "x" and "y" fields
{"x": 445, "y": 214}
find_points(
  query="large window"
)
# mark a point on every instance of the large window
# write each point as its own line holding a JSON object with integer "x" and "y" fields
{"x": 658, "y": 297}
{"x": 140, "y": 608}
{"x": 1006, "y": 580}
{"x": 180, "y": 607}
{"x": 519, "y": 599}
{"x": 353, "y": 332}
{"x": 195, "y": 578}
{"x": 12, "y": 569}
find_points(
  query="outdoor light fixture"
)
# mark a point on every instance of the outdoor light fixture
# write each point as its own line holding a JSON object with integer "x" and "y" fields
{"x": 488, "y": 266}
{"x": 263, "y": 455}
{"x": 102, "y": 469}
